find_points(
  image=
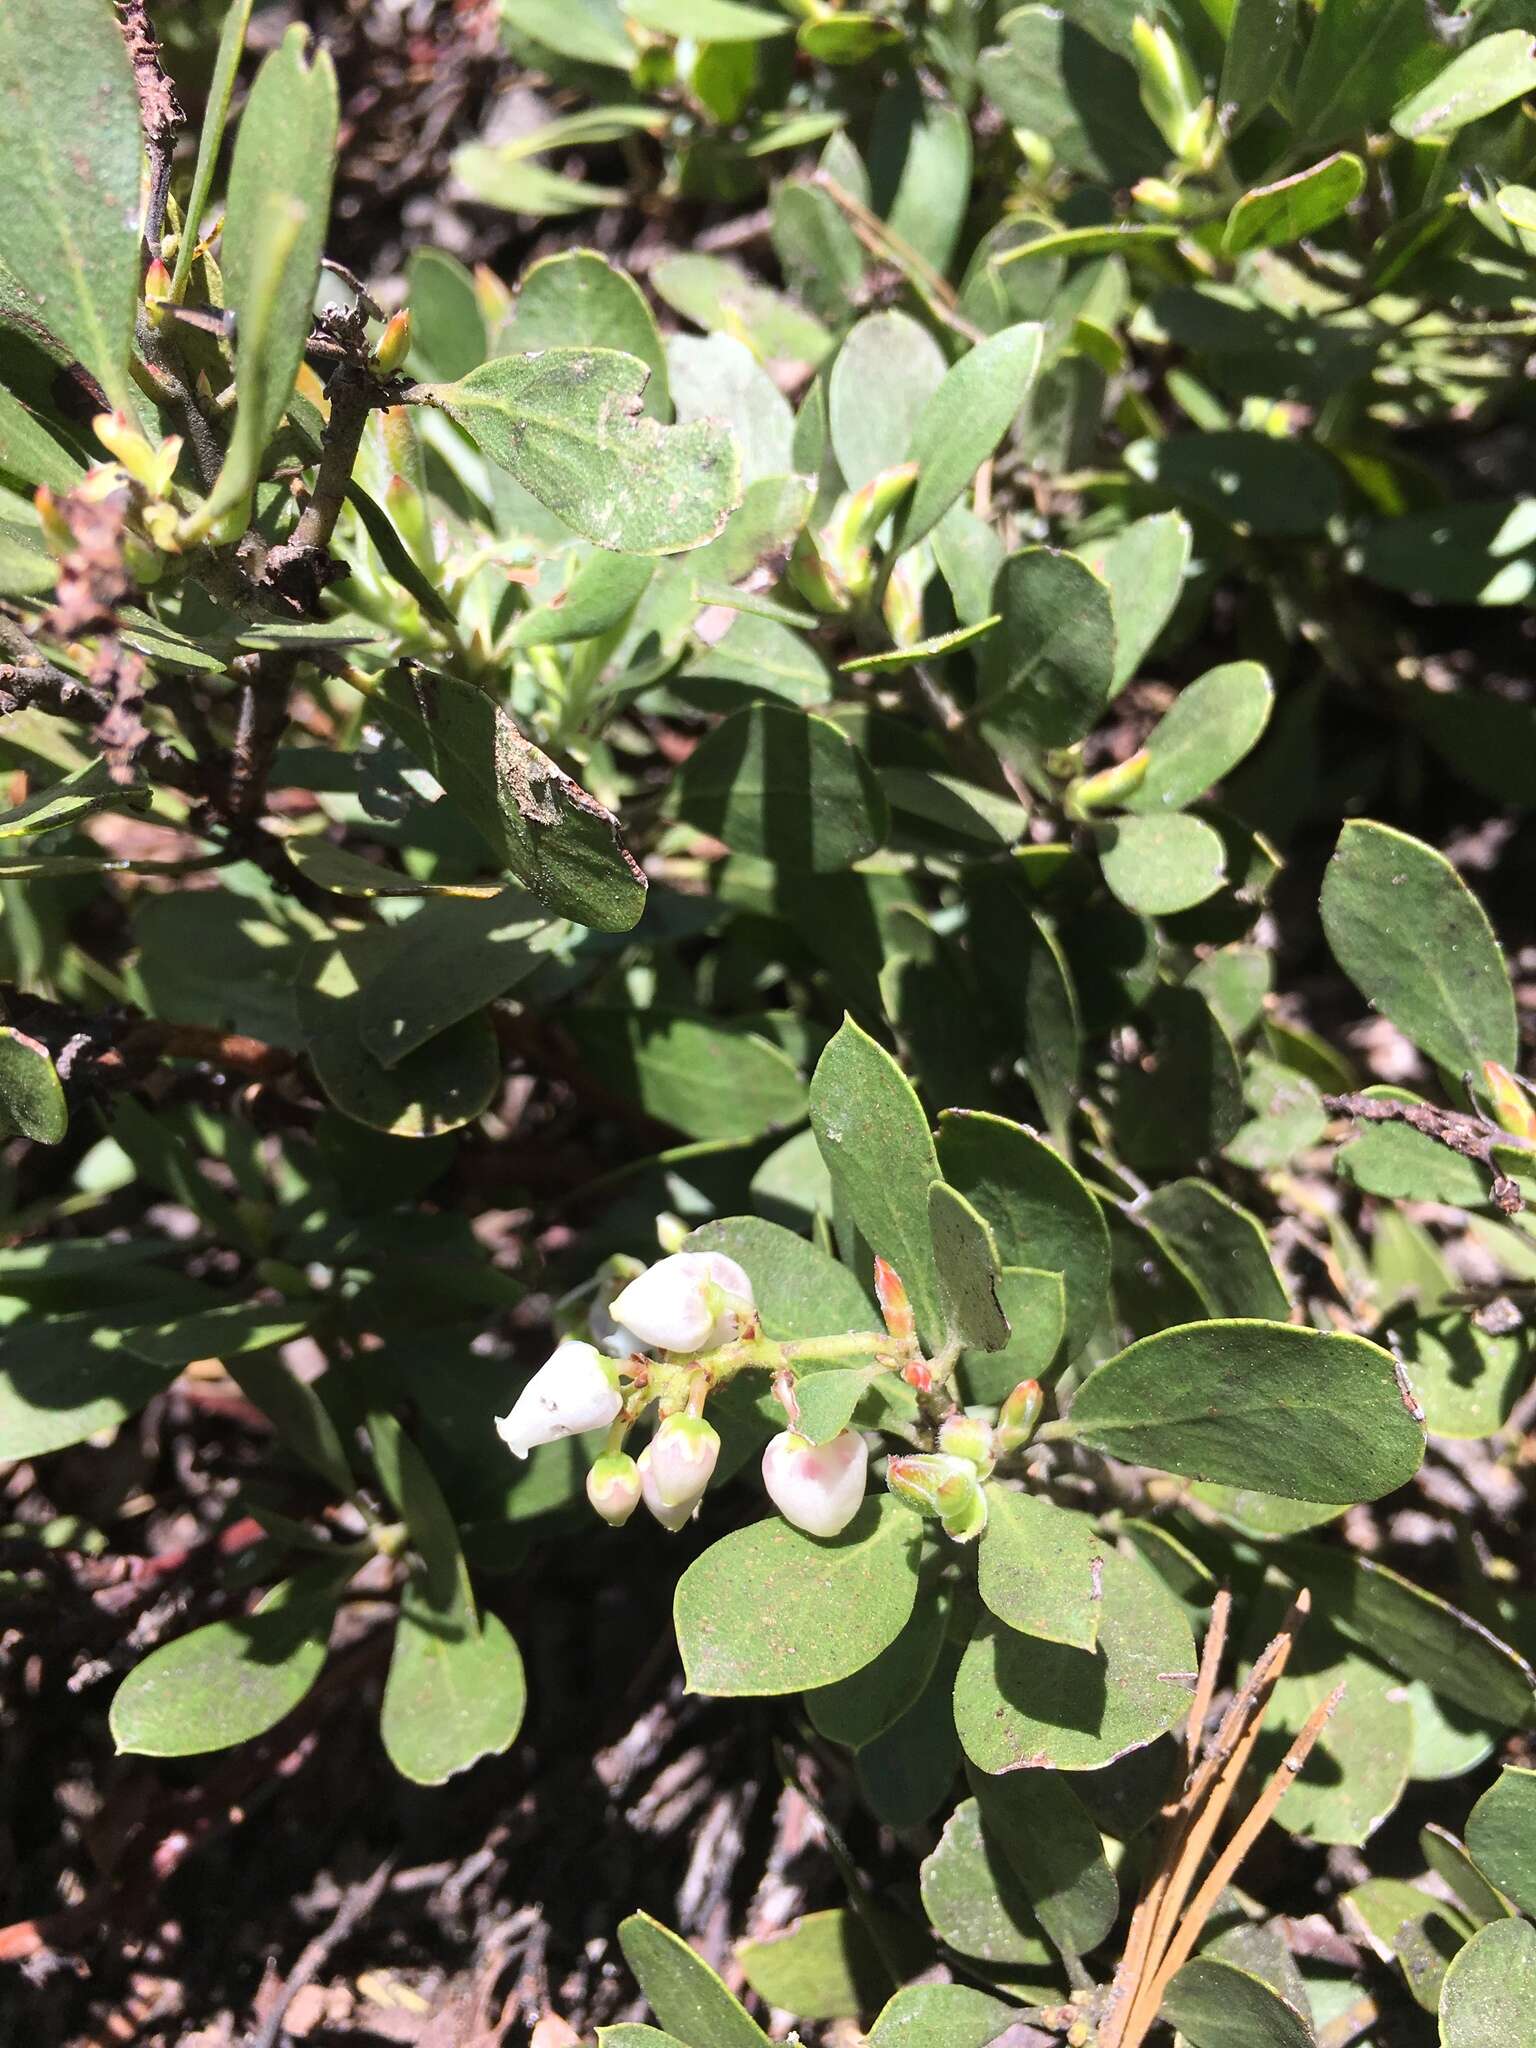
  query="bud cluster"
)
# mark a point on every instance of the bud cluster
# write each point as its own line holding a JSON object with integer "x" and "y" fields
{"x": 667, "y": 1334}
{"x": 682, "y": 1307}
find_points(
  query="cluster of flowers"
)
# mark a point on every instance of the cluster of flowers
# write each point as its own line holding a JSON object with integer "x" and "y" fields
{"x": 691, "y": 1307}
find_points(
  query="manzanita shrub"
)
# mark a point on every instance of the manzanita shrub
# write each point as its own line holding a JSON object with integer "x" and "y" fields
{"x": 853, "y": 779}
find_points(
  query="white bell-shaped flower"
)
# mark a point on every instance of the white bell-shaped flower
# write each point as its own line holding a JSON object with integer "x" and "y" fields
{"x": 684, "y": 1452}
{"x": 818, "y": 1487}
{"x": 670, "y": 1516}
{"x": 613, "y": 1487}
{"x": 575, "y": 1390}
{"x": 690, "y": 1302}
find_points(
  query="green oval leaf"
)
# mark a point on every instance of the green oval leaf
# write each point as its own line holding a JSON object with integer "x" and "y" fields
{"x": 1042, "y": 1214}
{"x": 879, "y": 1151}
{"x": 1213, "y": 723}
{"x": 454, "y": 1694}
{"x": 274, "y": 236}
{"x": 883, "y": 380}
{"x": 940, "y": 2016}
{"x": 1259, "y": 38}
{"x": 1214, "y": 2004}
{"x": 1221, "y": 1247}
{"x": 232, "y": 1680}
{"x": 1306, "y": 1414}
{"x": 825, "y": 1967}
{"x": 1025, "y": 1704}
{"x": 1039, "y": 1567}
{"x": 786, "y": 786}
{"x": 963, "y": 422}
{"x": 1417, "y": 944}
{"x": 1273, "y": 216}
{"x": 70, "y": 156}
{"x": 967, "y": 1262}
{"x": 32, "y": 1101}
{"x": 1478, "y": 80}
{"x": 1259, "y": 483}
{"x": 539, "y": 825}
{"x": 976, "y": 1904}
{"x": 445, "y": 1083}
{"x": 706, "y": 1080}
{"x": 1157, "y": 866}
{"x": 1144, "y": 565}
{"x": 578, "y": 299}
{"x": 683, "y": 1991}
{"x": 1048, "y": 670}
{"x": 567, "y": 423}
{"x": 63, "y": 1379}
{"x": 1054, "y": 1850}
{"x": 1415, "y": 1632}
{"x": 1501, "y": 1835}
{"x": 770, "y": 1610}
{"x": 1488, "y": 1998}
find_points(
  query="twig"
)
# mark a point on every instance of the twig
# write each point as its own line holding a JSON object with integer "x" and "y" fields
{"x": 1247, "y": 1832}
{"x": 160, "y": 112}
{"x": 1211, "y": 1652}
{"x": 1163, "y": 1925}
{"x": 360, "y": 1900}
{"x": 880, "y": 241}
{"x": 173, "y": 390}
{"x": 1471, "y": 1136}
{"x": 30, "y": 681}
{"x": 1200, "y": 1812}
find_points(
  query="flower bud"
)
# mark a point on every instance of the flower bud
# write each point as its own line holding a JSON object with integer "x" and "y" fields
{"x": 968, "y": 1437}
{"x": 492, "y": 296}
{"x": 1019, "y": 1417}
{"x": 575, "y": 1390}
{"x": 1511, "y": 1105}
{"x": 859, "y": 516}
{"x": 394, "y": 344}
{"x": 894, "y": 1305}
{"x": 692, "y": 1301}
{"x": 815, "y": 578}
{"x": 650, "y": 1493}
{"x": 151, "y": 465}
{"x": 1110, "y": 786}
{"x": 963, "y": 1507}
{"x": 684, "y": 1451}
{"x": 916, "y": 1481}
{"x": 157, "y": 291}
{"x": 613, "y": 1487}
{"x": 902, "y": 605}
{"x": 937, "y": 1484}
{"x": 817, "y": 1487}
{"x": 58, "y": 534}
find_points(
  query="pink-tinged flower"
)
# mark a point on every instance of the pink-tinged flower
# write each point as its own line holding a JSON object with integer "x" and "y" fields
{"x": 575, "y": 1390}
{"x": 817, "y": 1487}
{"x": 613, "y": 1487}
{"x": 684, "y": 1451}
{"x": 690, "y": 1302}
{"x": 669, "y": 1517}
